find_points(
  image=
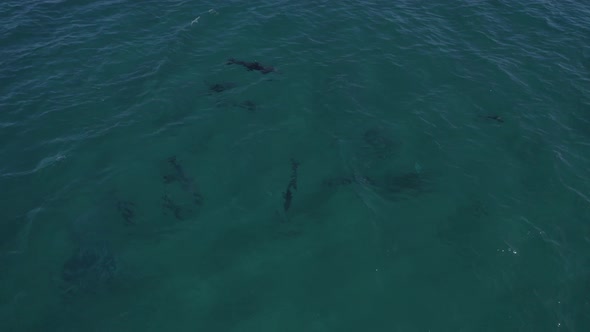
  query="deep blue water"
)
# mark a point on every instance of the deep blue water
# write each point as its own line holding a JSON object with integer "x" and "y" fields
{"x": 406, "y": 166}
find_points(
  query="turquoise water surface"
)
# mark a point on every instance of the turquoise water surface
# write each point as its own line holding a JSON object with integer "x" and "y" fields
{"x": 403, "y": 166}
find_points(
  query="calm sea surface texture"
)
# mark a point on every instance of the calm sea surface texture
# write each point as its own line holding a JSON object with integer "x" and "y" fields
{"x": 356, "y": 166}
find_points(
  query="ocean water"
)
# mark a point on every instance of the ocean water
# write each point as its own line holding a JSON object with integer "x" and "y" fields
{"x": 406, "y": 166}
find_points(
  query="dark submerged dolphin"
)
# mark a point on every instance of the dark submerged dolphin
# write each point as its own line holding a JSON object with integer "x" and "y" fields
{"x": 288, "y": 193}
{"x": 252, "y": 65}
{"x": 220, "y": 87}
{"x": 496, "y": 118}
{"x": 187, "y": 183}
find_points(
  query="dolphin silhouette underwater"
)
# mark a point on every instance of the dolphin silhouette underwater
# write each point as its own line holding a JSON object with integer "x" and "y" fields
{"x": 252, "y": 65}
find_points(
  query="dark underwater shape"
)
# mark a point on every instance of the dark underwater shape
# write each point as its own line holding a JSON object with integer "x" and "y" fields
{"x": 187, "y": 183}
{"x": 169, "y": 205}
{"x": 89, "y": 267}
{"x": 404, "y": 182}
{"x": 127, "y": 211}
{"x": 247, "y": 105}
{"x": 388, "y": 184}
{"x": 288, "y": 194}
{"x": 252, "y": 65}
{"x": 288, "y": 197}
{"x": 220, "y": 87}
{"x": 497, "y": 118}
